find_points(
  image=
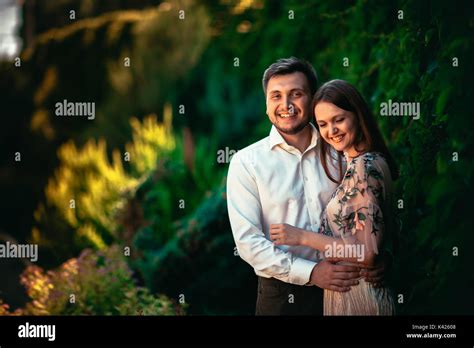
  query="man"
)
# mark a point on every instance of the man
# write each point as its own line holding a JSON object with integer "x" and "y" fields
{"x": 280, "y": 179}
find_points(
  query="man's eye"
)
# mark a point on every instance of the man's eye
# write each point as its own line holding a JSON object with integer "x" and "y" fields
{"x": 340, "y": 120}
{"x": 322, "y": 125}
{"x": 297, "y": 94}
{"x": 275, "y": 97}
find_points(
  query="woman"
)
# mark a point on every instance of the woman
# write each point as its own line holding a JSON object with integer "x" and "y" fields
{"x": 358, "y": 214}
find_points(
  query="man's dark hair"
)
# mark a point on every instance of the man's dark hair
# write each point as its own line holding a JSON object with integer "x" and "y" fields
{"x": 290, "y": 65}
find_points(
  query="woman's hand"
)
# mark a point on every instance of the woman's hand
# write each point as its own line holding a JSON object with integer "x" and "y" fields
{"x": 284, "y": 234}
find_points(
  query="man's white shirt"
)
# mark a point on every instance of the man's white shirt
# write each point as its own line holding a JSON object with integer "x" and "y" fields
{"x": 272, "y": 182}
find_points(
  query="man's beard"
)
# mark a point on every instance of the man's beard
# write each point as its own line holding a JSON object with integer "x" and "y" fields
{"x": 294, "y": 130}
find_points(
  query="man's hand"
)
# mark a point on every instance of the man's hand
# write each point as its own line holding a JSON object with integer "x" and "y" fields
{"x": 328, "y": 275}
{"x": 284, "y": 234}
{"x": 376, "y": 274}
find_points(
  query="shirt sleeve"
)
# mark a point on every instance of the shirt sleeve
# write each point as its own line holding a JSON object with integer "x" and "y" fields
{"x": 245, "y": 215}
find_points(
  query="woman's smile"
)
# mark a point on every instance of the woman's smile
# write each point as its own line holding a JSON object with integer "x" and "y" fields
{"x": 338, "y": 138}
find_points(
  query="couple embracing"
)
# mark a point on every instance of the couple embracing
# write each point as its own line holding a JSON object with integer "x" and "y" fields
{"x": 310, "y": 205}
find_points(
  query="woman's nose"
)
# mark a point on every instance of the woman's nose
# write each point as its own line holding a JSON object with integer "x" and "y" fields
{"x": 333, "y": 131}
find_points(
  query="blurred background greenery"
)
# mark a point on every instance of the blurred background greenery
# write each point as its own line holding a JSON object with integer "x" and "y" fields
{"x": 145, "y": 174}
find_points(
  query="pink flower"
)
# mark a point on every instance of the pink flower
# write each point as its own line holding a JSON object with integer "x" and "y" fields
{"x": 359, "y": 224}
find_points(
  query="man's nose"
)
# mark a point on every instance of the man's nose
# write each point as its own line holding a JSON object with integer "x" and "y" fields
{"x": 286, "y": 103}
{"x": 291, "y": 108}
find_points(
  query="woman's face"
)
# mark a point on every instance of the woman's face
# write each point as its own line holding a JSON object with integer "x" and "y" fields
{"x": 337, "y": 127}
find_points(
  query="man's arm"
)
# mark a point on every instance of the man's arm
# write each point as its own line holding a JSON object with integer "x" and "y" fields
{"x": 245, "y": 215}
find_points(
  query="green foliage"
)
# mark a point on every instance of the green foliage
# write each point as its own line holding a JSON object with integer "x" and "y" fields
{"x": 406, "y": 60}
{"x": 174, "y": 192}
{"x": 85, "y": 60}
{"x": 190, "y": 249}
{"x": 130, "y": 68}
{"x": 95, "y": 283}
{"x": 201, "y": 263}
{"x": 88, "y": 192}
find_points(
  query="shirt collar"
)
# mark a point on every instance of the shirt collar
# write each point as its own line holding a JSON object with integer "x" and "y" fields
{"x": 277, "y": 139}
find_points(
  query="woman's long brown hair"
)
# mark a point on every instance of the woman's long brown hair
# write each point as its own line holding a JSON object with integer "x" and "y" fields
{"x": 345, "y": 96}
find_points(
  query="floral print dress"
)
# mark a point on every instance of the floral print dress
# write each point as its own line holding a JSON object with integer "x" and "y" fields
{"x": 358, "y": 212}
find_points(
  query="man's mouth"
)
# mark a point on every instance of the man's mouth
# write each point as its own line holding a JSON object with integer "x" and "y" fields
{"x": 287, "y": 114}
{"x": 338, "y": 139}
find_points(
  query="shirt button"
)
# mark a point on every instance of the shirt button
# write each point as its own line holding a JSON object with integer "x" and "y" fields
{"x": 305, "y": 178}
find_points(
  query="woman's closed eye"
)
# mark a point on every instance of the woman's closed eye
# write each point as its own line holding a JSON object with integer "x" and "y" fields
{"x": 339, "y": 120}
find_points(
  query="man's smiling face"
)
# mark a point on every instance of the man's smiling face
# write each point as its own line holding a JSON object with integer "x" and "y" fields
{"x": 288, "y": 102}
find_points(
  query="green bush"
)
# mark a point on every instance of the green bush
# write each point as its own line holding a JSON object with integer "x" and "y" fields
{"x": 88, "y": 192}
{"x": 201, "y": 263}
{"x": 95, "y": 283}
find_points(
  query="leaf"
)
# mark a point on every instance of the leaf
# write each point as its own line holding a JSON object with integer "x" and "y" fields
{"x": 442, "y": 101}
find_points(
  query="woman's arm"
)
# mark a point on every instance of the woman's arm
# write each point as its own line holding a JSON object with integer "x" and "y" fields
{"x": 332, "y": 247}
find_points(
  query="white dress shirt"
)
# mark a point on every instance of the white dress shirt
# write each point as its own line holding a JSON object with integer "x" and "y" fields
{"x": 272, "y": 182}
